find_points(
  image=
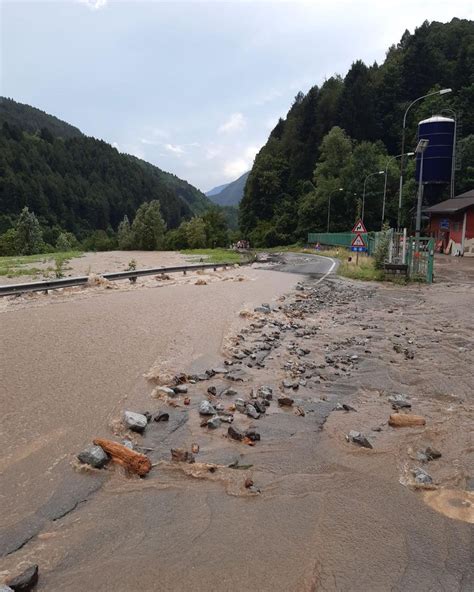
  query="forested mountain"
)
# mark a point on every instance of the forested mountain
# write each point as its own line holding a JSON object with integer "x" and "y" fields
{"x": 230, "y": 194}
{"x": 79, "y": 184}
{"x": 287, "y": 191}
{"x": 32, "y": 120}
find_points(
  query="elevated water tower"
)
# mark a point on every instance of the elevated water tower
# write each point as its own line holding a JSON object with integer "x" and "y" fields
{"x": 438, "y": 157}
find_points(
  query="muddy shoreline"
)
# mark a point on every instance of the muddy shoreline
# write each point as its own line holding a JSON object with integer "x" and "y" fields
{"x": 329, "y": 515}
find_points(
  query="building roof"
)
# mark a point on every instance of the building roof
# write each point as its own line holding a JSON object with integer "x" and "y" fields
{"x": 451, "y": 206}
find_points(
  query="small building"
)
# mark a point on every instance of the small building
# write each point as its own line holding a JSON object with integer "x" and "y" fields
{"x": 452, "y": 225}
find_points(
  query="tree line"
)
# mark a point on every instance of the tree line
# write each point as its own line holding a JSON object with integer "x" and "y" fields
{"x": 286, "y": 194}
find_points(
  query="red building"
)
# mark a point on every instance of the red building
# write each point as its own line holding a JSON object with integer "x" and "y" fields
{"x": 452, "y": 225}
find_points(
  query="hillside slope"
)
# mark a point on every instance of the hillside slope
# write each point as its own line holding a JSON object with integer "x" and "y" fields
{"x": 232, "y": 193}
{"x": 79, "y": 183}
{"x": 216, "y": 190}
{"x": 368, "y": 104}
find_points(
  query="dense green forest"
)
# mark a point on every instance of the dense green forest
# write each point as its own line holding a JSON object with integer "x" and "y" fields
{"x": 338, "y": 133}
{"x": 78, "y": 184}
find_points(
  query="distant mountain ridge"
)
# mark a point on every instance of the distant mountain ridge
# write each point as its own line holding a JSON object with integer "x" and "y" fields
{"x": 216, "y": 190}
{"x": 231, "y": 193}
{"x": 79, "y": 183}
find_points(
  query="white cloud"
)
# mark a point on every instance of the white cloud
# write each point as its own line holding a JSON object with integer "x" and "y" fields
{"x": 150, "y": 142}
{"x": 235, "y": 123}
{"x": 175, "y": 149}
{"x": 94, "y": 4}
{"x": 238, "y": 166}
{"x": 116, "y": 145}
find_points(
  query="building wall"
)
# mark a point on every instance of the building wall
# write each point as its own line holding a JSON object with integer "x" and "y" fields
{"x": 447, "y": 227}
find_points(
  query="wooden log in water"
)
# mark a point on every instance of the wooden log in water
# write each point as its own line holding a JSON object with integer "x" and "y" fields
{"x": 130, "y": 459}
{"x": 404, "y": 420}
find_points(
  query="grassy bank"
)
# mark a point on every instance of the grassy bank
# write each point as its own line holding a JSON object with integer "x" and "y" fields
{"x": 213, "y": 256}
{"x": 20, "y": 265}
{"x": 365, "y": 269}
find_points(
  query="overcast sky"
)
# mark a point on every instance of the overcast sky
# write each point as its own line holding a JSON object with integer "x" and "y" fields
{"x": 193, "y": 87}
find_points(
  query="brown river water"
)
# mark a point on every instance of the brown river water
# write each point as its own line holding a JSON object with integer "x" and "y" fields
{"x": 331, "y": 516}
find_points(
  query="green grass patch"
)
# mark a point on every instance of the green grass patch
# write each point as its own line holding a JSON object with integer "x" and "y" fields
{"x": 213, "y": 256}
{"x": 20, "y": 265}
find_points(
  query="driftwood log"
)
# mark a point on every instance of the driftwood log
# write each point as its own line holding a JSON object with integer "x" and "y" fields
{"x": 133, "y": 461}
{"x": 403, "y": 420}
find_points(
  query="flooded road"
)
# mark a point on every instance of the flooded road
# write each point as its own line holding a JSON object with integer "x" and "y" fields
{"x": 329, "y": 515}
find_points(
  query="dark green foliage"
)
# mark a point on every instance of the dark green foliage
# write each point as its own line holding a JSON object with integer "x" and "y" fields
{"x": 28, "y": 236}
{"x": 81, "y": 184}
{"x": 284, "y": 199}
{"x": 32, "y": 120}
{"x": 148, "y": 228}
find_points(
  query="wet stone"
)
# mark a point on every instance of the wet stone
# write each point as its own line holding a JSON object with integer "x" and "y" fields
{"x": 181, "y": 389}
{"x": 422, "y": 476}
{"x": 236, "y": 375}
{"x": 240, "y": 405}
{"x": 252, "y": 412}
{"x": 93, "y": 456}
{"x": 259, "y": 406}
{"x": 343, "y": 407}
{"x": 148, "y": 416}
{"x": 229, "y": 392}
{"x": 235, "y": 433}
{"x": 166, "y": 390}
{"x": 135, "y": 421}
{"x": 26, "y": 581}
{"x": 359, "y": 439}
{"x": 252, "y": 435}
{"x": 214, "y": 422}
{"x": 5, "y": 588}
{"x": 285, "y": 401}
{"x": 205, "y": 408}
{"x": 427, "y": 454}
{"x": 212, "y": 390}
{"x": 161, "y": 416}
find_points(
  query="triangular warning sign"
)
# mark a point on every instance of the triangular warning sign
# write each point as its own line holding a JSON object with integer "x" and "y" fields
{"x": 359, "y": 227}
{"x": 358, "y": 241}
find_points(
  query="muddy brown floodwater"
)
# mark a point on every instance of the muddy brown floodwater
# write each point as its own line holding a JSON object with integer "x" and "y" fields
{"x": 325, "y": 514}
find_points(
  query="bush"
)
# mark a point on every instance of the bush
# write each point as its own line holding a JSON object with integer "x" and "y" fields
{"x": 381, "y": 251}
{"x": 8, "y": 244}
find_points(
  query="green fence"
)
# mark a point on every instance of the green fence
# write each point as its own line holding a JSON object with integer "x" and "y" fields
{"x": 420, "y": 262}
{"x": 342, "y": 239}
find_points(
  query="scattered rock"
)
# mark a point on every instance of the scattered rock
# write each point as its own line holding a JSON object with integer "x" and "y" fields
{"x": 161, "y": 416}
{"x": 229, "y": 392}
{"x": 235, "y": 433}
{"x": 205, "y": 408}
{"x": 252, "y": 435}
{"x": 251, "y": 411}
{"x": 343, "y": 407}
{"x": 212, "y": 390}
{"x": 5, "y": 588}
{"x": 260, "y": 406}
{"x": 285, "y": 401}
{"x": 164, "y": 390}
{"x": 180, "y": 389}
{"x": 200, "y": 283}
{"x": 93, "y": 456}
{"x": 265, "y": 308}
{"x": 237, "y": 375}
{"x": 240, "y": 405}
{"x": 401, "y": 420}
{"x": 194, "y": 448}
{"x": 358, "y": 438}
{"x": 182, "y": 455}
{"x": 148, "y": 416}
{"x": 135, "y": 421}
{"x": 248, "y": 483}
{"x": 427, "y": 454}
{"x": 300, "y": 411}
{"x": 214, "y": 422}
{"x": 399, "y": 402}
{"x": 26, "y": 581}
{"x": 422, "y": 476}
{"x": 187, "y": 400}
{"x": 265, "y": 392}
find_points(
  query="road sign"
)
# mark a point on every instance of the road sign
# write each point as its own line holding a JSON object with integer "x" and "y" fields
{"x": 358, "y": 241}
{"x": 359, "y": 249}
{"x": 359, "y": 227}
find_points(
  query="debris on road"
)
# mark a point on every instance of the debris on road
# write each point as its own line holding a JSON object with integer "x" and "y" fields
{"x": 235, "y": 433}
{"x": 93, "y": 456}
{"x": 135, "y": 462}
{"x": 427, "y": 454}
{"x": 402, "y": 420}
{"x": 161, "y": 416}
{"x": 182, "y": 455}
{"x": 135, "y": 421}
{"x": 358, "y": 438}
{"x": 285, "y": 401}
{"x": 421, "y": 476}
{"x": 205, "y": 408}
{"x": 25, "y": 581}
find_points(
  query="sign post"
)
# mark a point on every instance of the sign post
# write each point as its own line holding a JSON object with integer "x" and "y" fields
{"x": 358, "y": 244}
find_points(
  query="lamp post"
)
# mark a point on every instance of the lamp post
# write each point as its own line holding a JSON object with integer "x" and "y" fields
{"x": 420, "y": 149}
{"x": 363, "y": 195}
{"x": 385, "y": 184}
{"x": 329, "y": 205}
{"x": 443, "y": 91}
{"x": 453, "y": 157}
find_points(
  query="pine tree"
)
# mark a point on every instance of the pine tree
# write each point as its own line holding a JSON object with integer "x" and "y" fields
{"x": 29, "y": 238}
{"x": 124, "y": 234}
{"x": 148, "y": 228}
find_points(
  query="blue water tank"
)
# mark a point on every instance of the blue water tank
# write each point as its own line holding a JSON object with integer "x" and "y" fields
{"x": 437, "y": 159}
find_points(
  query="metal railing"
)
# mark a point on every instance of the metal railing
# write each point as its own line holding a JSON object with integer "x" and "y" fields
{"x": 132, "y": 275}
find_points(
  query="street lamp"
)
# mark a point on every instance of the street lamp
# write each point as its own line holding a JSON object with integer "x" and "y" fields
{"x": 385, "y": 184}
{"x": 420, "y": 149}
{"x": 363, "y": 195}
{"x": 329, "y": 205}
{"x": 443, "y": 91}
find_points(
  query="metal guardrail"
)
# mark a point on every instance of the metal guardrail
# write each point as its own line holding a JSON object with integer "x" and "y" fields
{"x": 12, "y": 289}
